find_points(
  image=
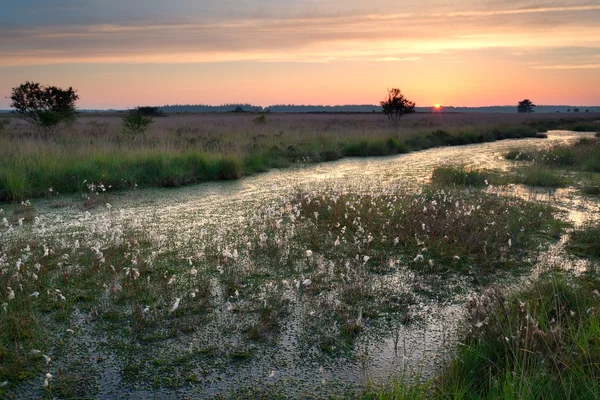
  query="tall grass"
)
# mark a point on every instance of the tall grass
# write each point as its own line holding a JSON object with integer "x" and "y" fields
{"x": 542, "y": 342}
{"x": 452, "y": 176}
{"x": 184, "y": 150}
{"x": 585, "y": 241}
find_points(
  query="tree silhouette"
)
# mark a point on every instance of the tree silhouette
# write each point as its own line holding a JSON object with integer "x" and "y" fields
{"x": 396, "y": 105}
{"x": 525, "y": 106}
{"x": 44, "y": 106}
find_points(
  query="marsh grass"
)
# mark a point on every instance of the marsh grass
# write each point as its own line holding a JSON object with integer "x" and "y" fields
{"x": 585, "y": 241}
{"x": 541, "y": 177}
{"x": 583, "y": 155}
{"x": 148, "y": 301}
{"x": 539, "y": 342}
{"x": 182, "y": 150}
{"x": 453, "y": 176}
{"x": 440, "y": 230}
{"x": 561, "y": 166}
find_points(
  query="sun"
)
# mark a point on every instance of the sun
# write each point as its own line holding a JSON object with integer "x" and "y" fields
{"x": 437, "y": 106}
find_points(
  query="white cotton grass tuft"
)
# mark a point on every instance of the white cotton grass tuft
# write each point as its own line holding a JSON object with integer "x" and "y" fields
{"x": 175, "y": 305}
{"x": 309, "y": 253}
{"x": 47, "y": 378}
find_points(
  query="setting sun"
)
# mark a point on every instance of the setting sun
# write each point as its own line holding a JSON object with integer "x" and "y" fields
{"x": 437, "y": 106}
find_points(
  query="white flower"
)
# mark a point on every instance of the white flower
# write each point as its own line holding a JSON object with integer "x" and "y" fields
{"x": 272, "y": 374}
{"x": 11, "y": 293}
{"x": 175, "y": 305}
{"x": 48, "y": 377}
{"x": 48, "y": 359}
{"x": 418, "y": 258}
{"x": 509, "y": 242}
{"x": 306, "y": 282}
{"x": 35, "y": 352}
{"x": 193, "y": 271}
{"x": 366, "y": 258}
{"x": 70, "y": 331}
{"x": 309, "y": 253}
{"x": 34, "y": 294}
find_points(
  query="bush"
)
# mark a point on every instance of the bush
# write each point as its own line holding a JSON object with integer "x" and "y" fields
{"x": 135, "y": 123}
{"x": 262, "y": 119}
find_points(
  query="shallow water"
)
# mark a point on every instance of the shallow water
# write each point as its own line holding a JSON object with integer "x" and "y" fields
{"x": 377, "y": 354}
{"x": 225, "y": 203}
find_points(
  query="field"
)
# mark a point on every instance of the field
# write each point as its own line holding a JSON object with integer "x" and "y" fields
{"x": 184, "y": 149}
{"x": 452, "y": 272}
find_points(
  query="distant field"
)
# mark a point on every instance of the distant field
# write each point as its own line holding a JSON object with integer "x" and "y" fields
{"x": 187, "y": 148}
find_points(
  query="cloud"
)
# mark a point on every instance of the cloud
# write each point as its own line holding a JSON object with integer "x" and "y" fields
{"x": 314, "y": 38}
{"x": 568, "y": 66}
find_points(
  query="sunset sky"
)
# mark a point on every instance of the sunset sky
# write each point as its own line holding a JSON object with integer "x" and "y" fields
{"x": 121, "y": 54}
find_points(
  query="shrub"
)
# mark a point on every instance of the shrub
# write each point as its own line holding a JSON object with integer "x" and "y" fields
{"x": 262, "y": 119}
{"x": 135, "y": 123}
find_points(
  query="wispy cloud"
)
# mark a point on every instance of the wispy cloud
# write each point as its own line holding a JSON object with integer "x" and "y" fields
{"x": 568, "y": 66}
{"x": 319, "y": 38}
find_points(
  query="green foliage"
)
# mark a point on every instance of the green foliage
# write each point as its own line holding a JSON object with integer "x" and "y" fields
{"x": 584, "y": 155}
{"x": 396, "y": 105}
{"x": 542, "y": 342}
{"x": 135, "y": 123}
{"x": 459, "y": 176}
{"x": 585, "y": 241}
{"x": 261, "y": 119}
{"x": 44, "y": 106}
{"x": 541, "y": 177}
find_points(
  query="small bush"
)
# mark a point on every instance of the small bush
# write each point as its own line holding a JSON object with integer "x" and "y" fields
{"x": 261, "y": 119}
{"x": 134, "y": 123}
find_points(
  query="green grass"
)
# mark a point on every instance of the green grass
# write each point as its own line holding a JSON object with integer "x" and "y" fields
{"x": 584, "y": 155}
{"x": 452, "y": 176}
{"x": 542, "y": 342}
{"x": 585, "y": 241}
{"x": 541, "y": 177}
{"x": 68, "y": 165}
{"x": 586, "y": 127}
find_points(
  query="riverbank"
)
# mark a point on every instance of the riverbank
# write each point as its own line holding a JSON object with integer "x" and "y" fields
{"x": 183, "y": 150}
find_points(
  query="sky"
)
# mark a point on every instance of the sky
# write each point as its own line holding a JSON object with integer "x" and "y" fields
{"x": 127, "y": 53}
